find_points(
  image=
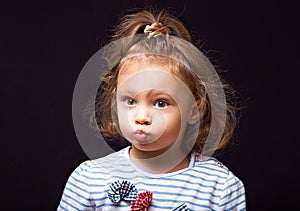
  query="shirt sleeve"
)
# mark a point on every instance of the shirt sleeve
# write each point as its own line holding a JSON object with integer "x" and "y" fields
{"x": 233, "y": 197}
{"x": 76, "y": 194}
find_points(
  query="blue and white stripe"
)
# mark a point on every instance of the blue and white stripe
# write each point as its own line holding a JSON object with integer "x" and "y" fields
{"x": 205, "y": 185}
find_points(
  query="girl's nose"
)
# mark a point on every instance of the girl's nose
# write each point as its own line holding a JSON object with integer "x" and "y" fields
{"x": 143, "y": 116}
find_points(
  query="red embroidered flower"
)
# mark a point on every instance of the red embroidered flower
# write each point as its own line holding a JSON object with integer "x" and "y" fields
{"x": 142, "y": 202}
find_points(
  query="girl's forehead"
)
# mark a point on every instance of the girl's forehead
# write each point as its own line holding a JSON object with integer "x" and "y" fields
{"x": 131, "y": 69}
{"x": 148, "y": 77}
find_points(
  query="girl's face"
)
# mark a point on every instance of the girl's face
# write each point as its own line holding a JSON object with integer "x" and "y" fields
{"x": 153, "y": 106}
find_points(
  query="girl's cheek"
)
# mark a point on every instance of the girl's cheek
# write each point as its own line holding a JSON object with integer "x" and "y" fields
{"x": 122, "y": 116}
{"x": 125, "y": 117}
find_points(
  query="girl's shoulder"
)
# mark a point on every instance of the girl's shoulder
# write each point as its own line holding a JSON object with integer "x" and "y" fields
{"x": 205, "y": 161}
{"x": 209, "y": 167}
{"x": 97, "y": 165}
{"x": 104, "y": 162}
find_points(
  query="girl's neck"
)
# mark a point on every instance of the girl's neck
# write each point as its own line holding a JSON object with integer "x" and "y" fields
{"x": 149, "y": 161}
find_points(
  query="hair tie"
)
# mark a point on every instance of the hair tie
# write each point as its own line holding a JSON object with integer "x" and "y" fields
{"x": 156, "y": 29}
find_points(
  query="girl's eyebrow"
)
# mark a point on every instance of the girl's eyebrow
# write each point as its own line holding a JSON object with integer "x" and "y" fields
{"x": 159, "y": 92}
{"x": 125, "y": 90}
{"x": 149, "y": 91}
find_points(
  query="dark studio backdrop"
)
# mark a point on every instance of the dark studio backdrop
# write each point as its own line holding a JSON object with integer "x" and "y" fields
{"x": 45, "y": 44}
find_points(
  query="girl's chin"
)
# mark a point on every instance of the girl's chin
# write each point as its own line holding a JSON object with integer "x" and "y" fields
{"x": 148, "y": 148}
{"x": 141, "y": 140}
{"x": 143, "y": 143}
{"x": 143, "y": 146}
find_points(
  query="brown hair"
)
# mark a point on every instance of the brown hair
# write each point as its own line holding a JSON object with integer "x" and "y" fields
{"x": 156, "y": 50}
{"x": 135, "y": 23}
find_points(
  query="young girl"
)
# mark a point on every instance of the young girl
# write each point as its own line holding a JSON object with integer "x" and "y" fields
{"x": 164, "y": 105}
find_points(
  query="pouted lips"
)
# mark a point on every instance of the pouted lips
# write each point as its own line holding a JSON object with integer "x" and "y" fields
{"x": 140, "y": 135}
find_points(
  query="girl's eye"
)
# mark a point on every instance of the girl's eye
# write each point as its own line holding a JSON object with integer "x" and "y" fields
{"x": 130, "y": 101}
{"x": 161, "y": 104}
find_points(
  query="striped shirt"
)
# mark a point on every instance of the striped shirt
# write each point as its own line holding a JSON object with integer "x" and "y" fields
{"x": 205, "y": 185}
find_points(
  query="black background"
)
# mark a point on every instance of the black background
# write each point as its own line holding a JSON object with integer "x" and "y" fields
{"x": 45, "y": 44}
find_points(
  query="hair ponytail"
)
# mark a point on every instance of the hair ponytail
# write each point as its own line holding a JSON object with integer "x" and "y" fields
{"x": 161, "y": 23}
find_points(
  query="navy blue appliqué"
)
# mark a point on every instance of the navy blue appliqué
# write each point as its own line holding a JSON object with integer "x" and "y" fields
{"x": 182, "y": 207}
{"x": 122, "y": 191}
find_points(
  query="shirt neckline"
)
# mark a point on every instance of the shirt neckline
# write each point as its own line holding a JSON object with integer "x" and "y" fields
{"x": 149, "y": 174}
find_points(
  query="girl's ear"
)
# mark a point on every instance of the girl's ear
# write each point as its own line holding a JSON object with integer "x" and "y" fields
{"x": 194, "y": 114}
